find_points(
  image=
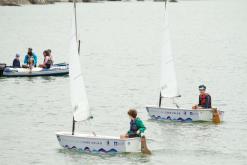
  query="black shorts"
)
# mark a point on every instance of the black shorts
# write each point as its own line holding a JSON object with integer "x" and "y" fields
{"x": 133, "y": 135}
{"x": 47, "y": 66}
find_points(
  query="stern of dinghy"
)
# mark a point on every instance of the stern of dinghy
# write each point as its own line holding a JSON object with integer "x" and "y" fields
{"x": 133, "y": 145}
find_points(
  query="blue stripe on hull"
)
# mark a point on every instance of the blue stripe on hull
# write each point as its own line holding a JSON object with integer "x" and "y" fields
{"x": 169, "y": 118}
{"x": 87, "y": 149}
{"x": 36, "y": 75}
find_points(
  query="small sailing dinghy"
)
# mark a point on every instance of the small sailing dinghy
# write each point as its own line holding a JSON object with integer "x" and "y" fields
{"x": 88, "y": 142}
{"x": 169, "y": 89}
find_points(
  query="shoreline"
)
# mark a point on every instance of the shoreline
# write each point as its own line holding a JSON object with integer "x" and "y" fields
{"x": 28, "y": 2}
{"x": 44, "y": 2}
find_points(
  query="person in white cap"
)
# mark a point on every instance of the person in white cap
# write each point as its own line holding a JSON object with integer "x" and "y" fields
{"x": 16, "y": 61}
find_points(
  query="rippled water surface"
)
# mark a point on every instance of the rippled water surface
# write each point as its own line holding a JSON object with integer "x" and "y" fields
{"x": 121, "y": 60}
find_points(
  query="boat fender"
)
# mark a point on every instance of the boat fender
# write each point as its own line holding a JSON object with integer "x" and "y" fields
{"x": 216, "y": 116}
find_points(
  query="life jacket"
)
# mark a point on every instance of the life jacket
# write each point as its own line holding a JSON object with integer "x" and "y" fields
{"x": 133, "y": 126}
{"x": 203, "y": 100}
{"x": 16, "y": 63}
{"x": 48, "y": 63}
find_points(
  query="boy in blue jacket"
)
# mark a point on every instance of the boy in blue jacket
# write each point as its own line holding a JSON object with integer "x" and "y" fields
{"x": 31, "y": 58}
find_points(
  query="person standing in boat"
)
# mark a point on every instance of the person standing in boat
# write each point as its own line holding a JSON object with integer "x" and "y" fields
{"x": 30, "y": 59}
{"x": 16, "y": 61}
{"x": 204, "y": 99}
{"x": 137, "y": 127}
{"x": 47, "y": 60}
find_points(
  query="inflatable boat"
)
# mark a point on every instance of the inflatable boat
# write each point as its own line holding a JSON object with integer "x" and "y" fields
{"x": 55, "y": 70}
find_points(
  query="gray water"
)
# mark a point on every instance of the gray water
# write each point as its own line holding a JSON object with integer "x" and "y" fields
{"x": 120, "y": 60}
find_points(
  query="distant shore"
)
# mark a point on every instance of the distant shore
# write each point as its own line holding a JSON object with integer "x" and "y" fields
{"x": 25, "y": 2}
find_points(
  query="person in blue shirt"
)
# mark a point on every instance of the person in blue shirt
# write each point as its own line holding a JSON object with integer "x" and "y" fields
{"x": 31, "y": 58}
{"x": 16, "y": 61}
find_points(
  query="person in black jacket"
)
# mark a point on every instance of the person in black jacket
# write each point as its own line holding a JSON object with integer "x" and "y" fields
{"x": 204, "y": 99}
{"x": 16, "y": 61}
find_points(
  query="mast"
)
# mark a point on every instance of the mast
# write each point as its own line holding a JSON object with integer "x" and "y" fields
{"x": 74, "y": 1}
{"x": 160, "y": 98}
{"x": 77, "y": 40}
{"x": 73, "y": 126}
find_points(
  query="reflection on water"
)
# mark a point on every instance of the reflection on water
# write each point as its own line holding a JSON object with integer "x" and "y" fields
{"x": 130, "y": 157}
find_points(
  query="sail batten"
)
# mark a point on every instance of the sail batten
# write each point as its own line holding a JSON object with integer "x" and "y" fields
{"x": 78, "y": 95}
{"x": 168, "y": 82}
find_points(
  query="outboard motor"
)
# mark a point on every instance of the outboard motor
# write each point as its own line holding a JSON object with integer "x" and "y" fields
{"x": 2, "y": 67}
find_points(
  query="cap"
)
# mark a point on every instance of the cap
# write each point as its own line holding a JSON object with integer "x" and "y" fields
{"x": 202, "y": 87}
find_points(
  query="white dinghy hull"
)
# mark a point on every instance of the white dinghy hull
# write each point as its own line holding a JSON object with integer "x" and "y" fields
{"x": 101, "y": 144}
{"x": 182, "y": 115}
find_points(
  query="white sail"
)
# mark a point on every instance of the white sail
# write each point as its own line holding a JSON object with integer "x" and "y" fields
{"x": 79, "y": 99}
{"x": 168, "y": 84}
